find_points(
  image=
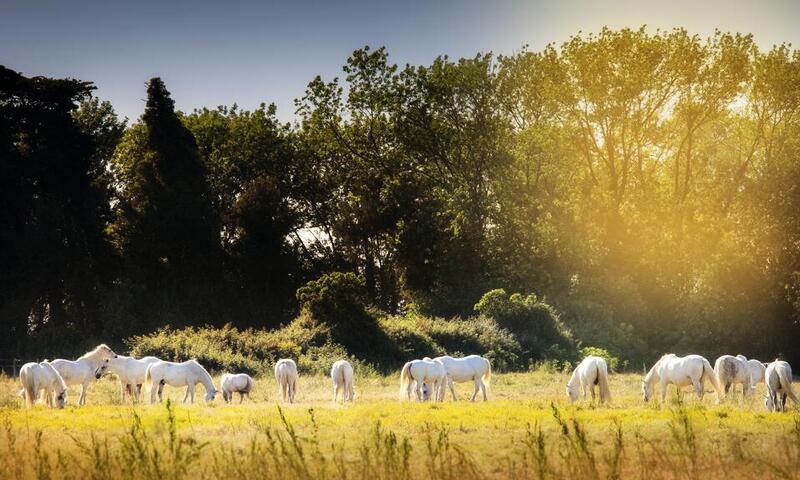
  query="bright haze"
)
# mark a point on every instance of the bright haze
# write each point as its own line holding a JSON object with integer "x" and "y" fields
{"x": 219, "y": 52}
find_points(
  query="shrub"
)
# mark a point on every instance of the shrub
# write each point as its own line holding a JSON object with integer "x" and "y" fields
{"x": 536, "y": 325}
{"x": 249, "y": 351}
{"x": 337, "y": 301}
{"x": 613, "y": 362}
{"x": 419, "y": 336}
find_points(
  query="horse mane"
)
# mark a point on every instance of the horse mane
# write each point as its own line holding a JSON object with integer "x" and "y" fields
{"x": 648, "y": 378}
{"x": 93, "y": 352}
{"x": 573, "y": 379}
{"x": 202, "y": 369}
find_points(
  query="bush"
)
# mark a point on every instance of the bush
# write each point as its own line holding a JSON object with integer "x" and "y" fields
{"x": 536, "y": 325}
{"x": 613, "y": 362}
{"x": 249, "y": 351}
{"x": 419, "y": 336}
{"x": 337, "y": 301}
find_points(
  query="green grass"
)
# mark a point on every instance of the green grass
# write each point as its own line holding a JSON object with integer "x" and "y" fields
{"x": 526, "y": 430}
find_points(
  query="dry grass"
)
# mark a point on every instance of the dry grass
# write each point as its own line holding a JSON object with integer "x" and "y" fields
{"x": 527, "y": 430}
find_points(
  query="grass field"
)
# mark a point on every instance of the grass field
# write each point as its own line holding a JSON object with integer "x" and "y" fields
{"x": 526, "y": 430}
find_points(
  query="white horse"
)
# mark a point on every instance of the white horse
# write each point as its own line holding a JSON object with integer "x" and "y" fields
{"x": 286, "y": 375}
{"x": 731, "y": 370}
{"x": 343, "y": 379}
{"x": 590, "y": 372}
{"x": 691, "y": 370}
{"x": 91, "y": 365}
{"x": 779, "y": 386}
{"x": 42, "y": 377}
{"x": 756, "y": 369}
{"x": 186, "y": 374}
{"x": 418, "y": 372}
{"x": 472, "y": 368}
{"x": 240, "y": 383}
{"x": 131, "y": 373}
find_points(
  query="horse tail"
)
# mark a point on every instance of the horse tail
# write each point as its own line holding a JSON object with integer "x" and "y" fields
{"x": 786, "y": 385}
{"x": 602, "y": 382}
{"x": 28, "y": 389}
{"x": 487, "y": 375}
{"x": 710, "y": 374}
{"x": 405, "y": 378}
{"x": 148, "y": 378}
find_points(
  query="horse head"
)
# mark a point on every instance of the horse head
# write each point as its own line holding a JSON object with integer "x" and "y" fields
{"x": 572, "y": 392}
{"x": 768, "y": 402}
{"x": 427, "y": 390}
{"x": 645, "y": 391}
{"x": 211, "y": 394}
{"x": 61, "y": 399}
{"x": 101, "y": 370}
{"x": 105, "y": 351}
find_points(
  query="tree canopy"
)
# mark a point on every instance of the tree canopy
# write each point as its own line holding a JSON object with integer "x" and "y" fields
{"x": 646, "y": 185}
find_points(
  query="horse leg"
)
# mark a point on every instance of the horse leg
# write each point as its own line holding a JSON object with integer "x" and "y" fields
{"x": 699, "y": 389}
{"x": 475, "y": 388}
{"x": 663, "y": 385}
{"x": 450, "y": 383}
{"x": 84, "y": 388}
{"x": 335, "y": 391}
{"x": 591, "y": 389}
{"x": 186, "y": 395}
{"x": 483, "y": 389}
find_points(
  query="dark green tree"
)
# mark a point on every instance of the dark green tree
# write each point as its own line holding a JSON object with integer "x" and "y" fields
{"x": 53, "y": 248}
{"x": 168, "y": 229}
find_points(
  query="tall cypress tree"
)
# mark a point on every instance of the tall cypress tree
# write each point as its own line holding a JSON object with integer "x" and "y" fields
{"x": 169, "y": 229}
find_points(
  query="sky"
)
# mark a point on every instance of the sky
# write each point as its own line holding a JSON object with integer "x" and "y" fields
{"x": 220, "y": 52}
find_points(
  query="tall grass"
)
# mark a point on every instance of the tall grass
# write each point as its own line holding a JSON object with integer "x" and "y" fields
{"x": 569, "y": 449}
{"x": 527, "y": 431}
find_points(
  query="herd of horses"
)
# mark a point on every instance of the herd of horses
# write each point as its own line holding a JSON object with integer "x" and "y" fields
{"x": 428, "y": 379}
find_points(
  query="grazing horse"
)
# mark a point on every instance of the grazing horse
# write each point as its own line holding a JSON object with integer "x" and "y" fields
{"x": 731, "y": 370}
{"x": 186, "y": 374}
{"x": 419, "y": 372}
{"x": 590, "y": 372}
{"x": 131, "y": 373}
{"x": 756, "y": 369}
{"x": 91, "y": 365}
{"x": 778, "y": 378}
{"x": 343, "y": 378}
{"x": 472, "y": 368}
{"x": 240, "y": 383}
{"x": 680, "y": 371}
{"x": 42, "y": 377}
{"x": 286, "y": 375}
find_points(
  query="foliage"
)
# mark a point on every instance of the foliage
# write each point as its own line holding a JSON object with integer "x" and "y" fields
{"x": 420, "y": 336}
{"x": 535, "y": 324}
{"x": 337, "y": 300}
{"x": 612, "y": 361}
{"x": 645, "y": 183}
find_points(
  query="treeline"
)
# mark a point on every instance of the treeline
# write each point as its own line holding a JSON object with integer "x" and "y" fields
{"x": 646, "y": 185}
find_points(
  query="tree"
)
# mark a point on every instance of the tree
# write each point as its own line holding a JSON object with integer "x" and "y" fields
{"x": 167, "y": 228}
{"x": 53, "y": 248}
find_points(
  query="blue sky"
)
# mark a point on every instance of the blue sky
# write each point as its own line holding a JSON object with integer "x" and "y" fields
{"x": 220, "y": 52}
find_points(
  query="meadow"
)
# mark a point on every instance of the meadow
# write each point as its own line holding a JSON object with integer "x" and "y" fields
{"x": 527, "y": 430}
